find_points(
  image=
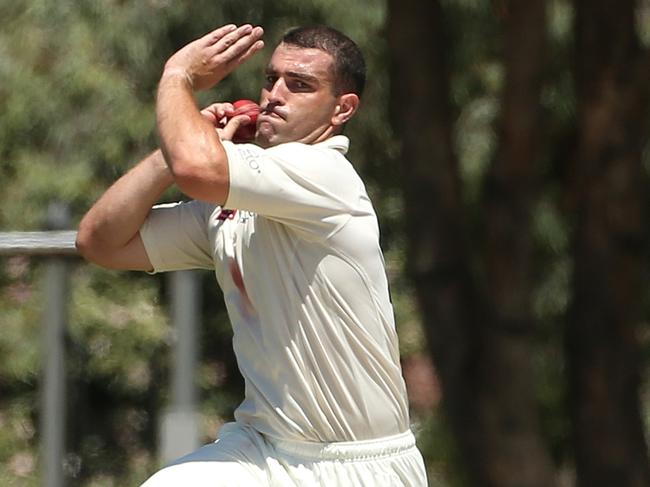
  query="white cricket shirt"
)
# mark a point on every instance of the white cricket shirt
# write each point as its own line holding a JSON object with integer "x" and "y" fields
{"x": 296, "y": 252}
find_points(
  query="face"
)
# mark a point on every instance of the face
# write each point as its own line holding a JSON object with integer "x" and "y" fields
{"x": 297, "y": 100}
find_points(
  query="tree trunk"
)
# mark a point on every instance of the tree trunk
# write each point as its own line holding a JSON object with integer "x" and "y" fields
{"x": 610, "y": 247}
{"x": 437, "y": 251}
{"x": 481, "y": 350}
{"x": 511, "y": 415}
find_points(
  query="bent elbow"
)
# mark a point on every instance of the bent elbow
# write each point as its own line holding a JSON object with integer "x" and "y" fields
{"x": 87, "y": 244}
{"x": 91, "y": 247}
{"x": 203, "y": 180}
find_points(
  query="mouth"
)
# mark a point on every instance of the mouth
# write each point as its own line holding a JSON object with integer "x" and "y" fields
{"x": 271, "y": 111}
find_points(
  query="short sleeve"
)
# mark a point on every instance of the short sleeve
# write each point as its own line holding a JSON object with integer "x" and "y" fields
{"x": 312, "y": 188}
{"x": 175, "y": 236}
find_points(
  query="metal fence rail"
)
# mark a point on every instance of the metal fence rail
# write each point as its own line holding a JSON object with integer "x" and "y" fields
{"x": 179, "y": 433}
{"x": 38, "y": 243}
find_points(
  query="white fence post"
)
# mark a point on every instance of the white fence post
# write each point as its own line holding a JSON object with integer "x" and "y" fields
{"x": 180, "y": 427}
{"x": 53, "y": 411}
{"x": 180, "y": 423}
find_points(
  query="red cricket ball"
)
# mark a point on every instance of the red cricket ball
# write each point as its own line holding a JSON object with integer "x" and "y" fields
{"x": 246, "y": 133}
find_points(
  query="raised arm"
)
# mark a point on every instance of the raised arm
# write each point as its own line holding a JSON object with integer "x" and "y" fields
{"x": 193, "y": 158}
{"x": 190, "y": 143}
{"x": 109, "y": 233}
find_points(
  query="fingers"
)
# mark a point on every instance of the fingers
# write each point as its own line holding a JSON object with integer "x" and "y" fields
{"x": 219, "y": 110}
{"x": 217, "y": 34}
{"x": 228, "y": 132}
{"x": 257, "y": 46}
{"x": 208, "y": 60}
{"x": 238, "y": 43}
{"x": 233, "y": 37}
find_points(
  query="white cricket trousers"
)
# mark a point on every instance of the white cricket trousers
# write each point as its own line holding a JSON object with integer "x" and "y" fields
{"x": 242, "y": 457}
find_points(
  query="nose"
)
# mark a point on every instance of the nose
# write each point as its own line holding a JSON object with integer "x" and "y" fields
{"x": 277, "y": 92}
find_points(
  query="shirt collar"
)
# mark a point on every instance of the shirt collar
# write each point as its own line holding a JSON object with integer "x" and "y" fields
{"x": 338, "y": 142}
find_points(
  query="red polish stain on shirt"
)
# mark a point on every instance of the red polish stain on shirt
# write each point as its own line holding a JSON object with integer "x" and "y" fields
{"x": 225, "y": 214}
{"x": 238, "y": 279}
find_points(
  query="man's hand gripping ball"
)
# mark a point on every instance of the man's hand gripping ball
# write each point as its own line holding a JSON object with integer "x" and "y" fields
{"x": 246, "y": 131}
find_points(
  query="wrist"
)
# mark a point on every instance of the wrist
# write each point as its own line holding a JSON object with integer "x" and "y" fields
{"x": 160, "y": 168}
{"x": 174, "y": 75}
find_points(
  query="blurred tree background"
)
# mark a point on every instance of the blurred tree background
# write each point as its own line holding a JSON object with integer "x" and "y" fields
{"x": 504, "y": 145}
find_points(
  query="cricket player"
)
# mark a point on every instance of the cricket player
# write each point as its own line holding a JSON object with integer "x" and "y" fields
{"x": 287, "y": 226}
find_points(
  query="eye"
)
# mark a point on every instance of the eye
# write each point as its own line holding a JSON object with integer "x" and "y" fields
{"x": 270, "y": 80}
{"x": 299, "y": 85}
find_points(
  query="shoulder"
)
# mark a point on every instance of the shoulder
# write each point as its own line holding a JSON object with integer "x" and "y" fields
{"x": 328, "y": 157}
{"x": 334, "y": 148}
{"x": 310, "y": 160}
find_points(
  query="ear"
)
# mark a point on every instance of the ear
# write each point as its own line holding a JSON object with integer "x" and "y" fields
{"x": 345, "y": 108}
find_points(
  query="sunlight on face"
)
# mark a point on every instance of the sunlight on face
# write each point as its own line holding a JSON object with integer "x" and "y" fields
{"x": 298, "y": 100}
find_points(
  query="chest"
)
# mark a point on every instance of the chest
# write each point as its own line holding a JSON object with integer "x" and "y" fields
{"x": 232, "y": 234}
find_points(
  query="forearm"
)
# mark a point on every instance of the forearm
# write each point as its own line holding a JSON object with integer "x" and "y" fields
{"x": 191, "y": 145}
{"x": 115, "y": 219}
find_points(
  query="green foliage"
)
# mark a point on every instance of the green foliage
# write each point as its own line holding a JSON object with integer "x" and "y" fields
{"x": 77, "y": 86}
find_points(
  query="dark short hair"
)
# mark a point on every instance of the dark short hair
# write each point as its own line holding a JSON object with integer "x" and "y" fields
{"x": 349, "y": 64}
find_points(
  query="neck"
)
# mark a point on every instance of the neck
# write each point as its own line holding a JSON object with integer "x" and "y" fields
{"x": 320, "y": 135}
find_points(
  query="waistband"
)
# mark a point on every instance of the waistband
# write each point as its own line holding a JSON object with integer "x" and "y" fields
{"x": 347, "y": 450}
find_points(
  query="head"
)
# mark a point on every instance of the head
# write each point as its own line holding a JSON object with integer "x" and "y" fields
{"x": 314, "y": 83}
